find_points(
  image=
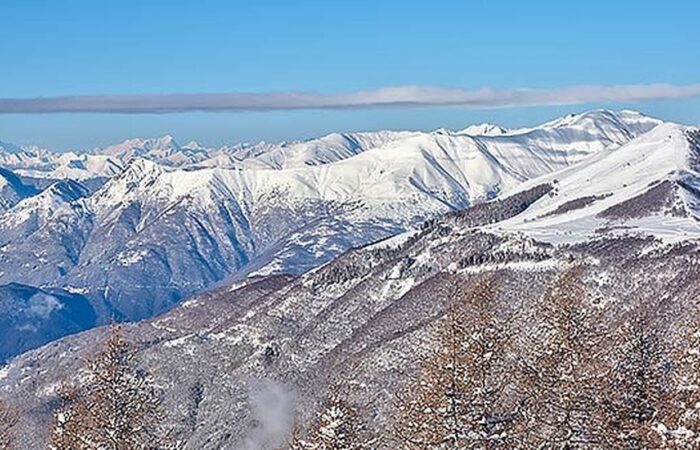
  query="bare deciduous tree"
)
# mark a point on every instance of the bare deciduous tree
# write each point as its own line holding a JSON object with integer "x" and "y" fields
{"x": 69, "y": 428}
{"x": 458, "y": 399}
{"x": 115, "y": 409}
{"x": 680, "y": 418}
{"x": 566, "y": 382}
{"x": 296, "y": 441}
{"x": 340, "y": 425}
{"x": 8, "y": 422}
{"x": 636, "y": 391}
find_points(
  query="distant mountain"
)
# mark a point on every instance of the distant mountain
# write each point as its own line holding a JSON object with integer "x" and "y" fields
{"x": 13, "y": 189}
{"x": 30, "y": 317}
{"x": 155, "y": 233}
{"x": 166, "y": 151}
{"x": 39, "y": 163}
{"x": 484, "y": 129}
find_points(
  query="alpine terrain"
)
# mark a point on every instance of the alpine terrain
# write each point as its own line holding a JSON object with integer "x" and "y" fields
{"x": 333, "y": 262}
{"x": 138, "y": 226}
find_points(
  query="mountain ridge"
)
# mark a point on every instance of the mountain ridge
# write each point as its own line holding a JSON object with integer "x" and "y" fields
{"x": 154, "y": 234}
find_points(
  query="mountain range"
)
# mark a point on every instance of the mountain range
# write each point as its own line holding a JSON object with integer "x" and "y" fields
{"x": 134, "y": 228}
{"x": 616, "y": 194}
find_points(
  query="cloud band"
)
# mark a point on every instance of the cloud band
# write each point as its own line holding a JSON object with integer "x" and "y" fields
{"x": 389, "y": 97}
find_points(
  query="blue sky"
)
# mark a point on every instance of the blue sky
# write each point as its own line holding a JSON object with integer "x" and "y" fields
{"x": 51, "y": 48}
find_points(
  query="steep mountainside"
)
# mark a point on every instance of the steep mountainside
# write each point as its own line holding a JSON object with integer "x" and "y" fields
{"x": 30, "y": 317}
{"x": 12, "y": 190}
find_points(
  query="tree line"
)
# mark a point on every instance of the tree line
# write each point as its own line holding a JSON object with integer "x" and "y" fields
{"x": 566, "y": 379}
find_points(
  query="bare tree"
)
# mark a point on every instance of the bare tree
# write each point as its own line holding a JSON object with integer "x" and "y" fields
{"x": 115, "y": 409}
{"x": 637, "y": 392}
{"x": 680, "y": 419}
{"x": 341, "y": 425}
{"x": 69, "y": 430}
{"x": 296, "y": 441}
{"x": 458, "y": 399}
{"x": 565, "y": 383}
{"x": 8, "y": 422}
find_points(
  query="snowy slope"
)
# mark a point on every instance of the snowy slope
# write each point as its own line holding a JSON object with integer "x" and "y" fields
{"x": 650, "y": 185}
{"x": 37, "y": 210}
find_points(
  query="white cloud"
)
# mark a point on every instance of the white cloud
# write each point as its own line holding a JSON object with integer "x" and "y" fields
{"x": 388, "y": 97}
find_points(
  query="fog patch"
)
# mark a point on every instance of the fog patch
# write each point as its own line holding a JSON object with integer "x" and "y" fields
{"x": 272, "y": 407}
{"x": 41, "y": 305}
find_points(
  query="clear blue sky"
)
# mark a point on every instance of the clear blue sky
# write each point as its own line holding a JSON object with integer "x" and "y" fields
{"x": 71, "y": 47}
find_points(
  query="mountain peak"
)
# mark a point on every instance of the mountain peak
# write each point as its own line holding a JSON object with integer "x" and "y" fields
{"x": 143, "y": 166}
{"x": 484, "y": 129}
{"x": 166, "y": 141}
{"x": 604, "y": 118}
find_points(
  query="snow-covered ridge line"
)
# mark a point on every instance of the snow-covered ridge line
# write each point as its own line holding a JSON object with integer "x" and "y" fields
{"x": 651, "y": 185}
{"x": 107, "y": 162}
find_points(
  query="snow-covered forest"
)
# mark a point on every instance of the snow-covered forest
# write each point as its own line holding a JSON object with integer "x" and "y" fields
{"x": 569, "y": 380}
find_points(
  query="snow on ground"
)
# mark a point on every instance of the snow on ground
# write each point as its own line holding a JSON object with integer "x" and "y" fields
{"x": 606, "y": 179}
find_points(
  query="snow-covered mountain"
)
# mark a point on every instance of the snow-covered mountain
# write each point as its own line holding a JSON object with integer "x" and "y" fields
{"x": 36, "y": 162}
{"x": 651, "y": 185}
{"x": 40, "y": 163}
{"x": 169, "y": 225}
{"x": 12, "y": 189}
{"x": 625, "y": 216}
{"x": 484, "y": 129}
{"x": 164, "y": 151}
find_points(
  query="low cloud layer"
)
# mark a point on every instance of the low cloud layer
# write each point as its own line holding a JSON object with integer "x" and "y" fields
{"x": 389, "y": 97}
